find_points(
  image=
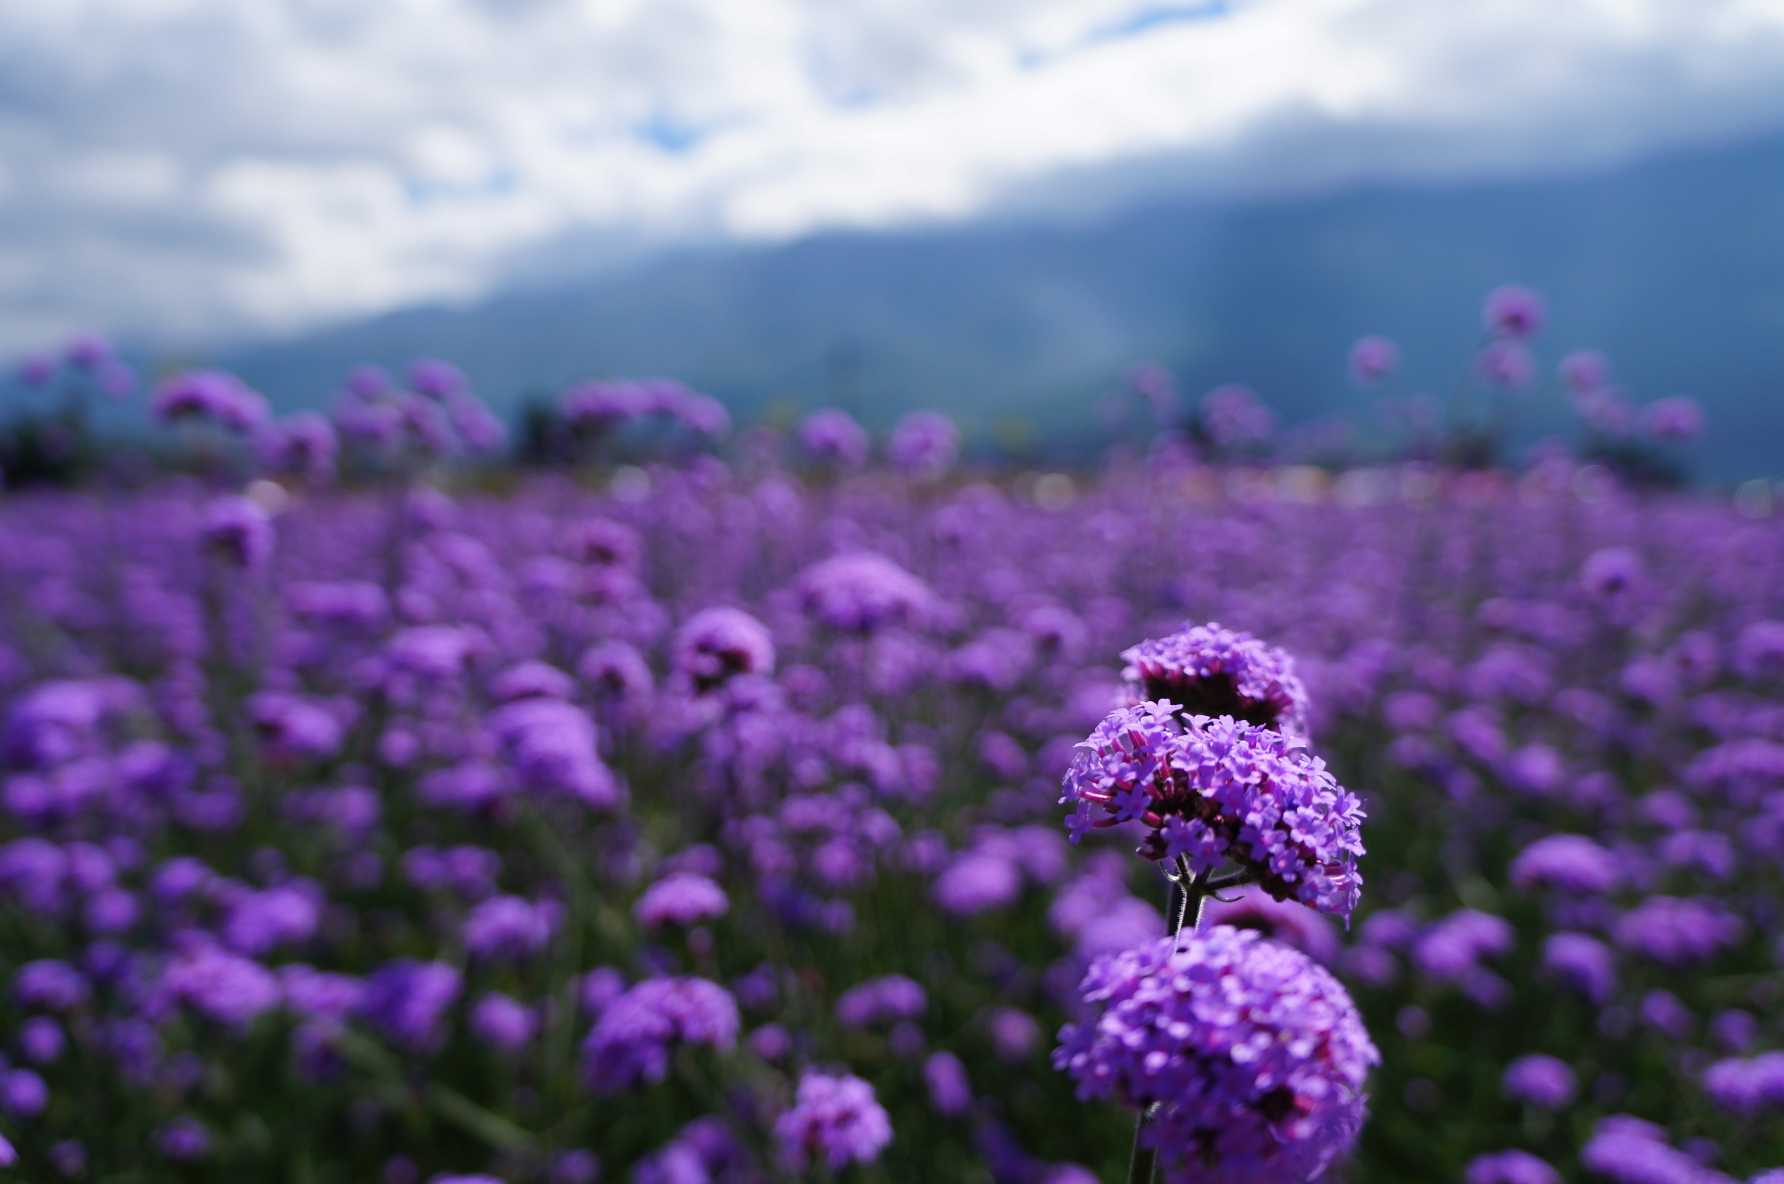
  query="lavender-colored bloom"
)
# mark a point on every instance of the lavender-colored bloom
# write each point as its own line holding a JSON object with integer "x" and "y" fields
{"x": 1233, "y": 416}
{"x": 221, "y": 986}
{"x": 949, "y": 1090}
{"x": 1630, "y": 1151}
{"x": 1678, "y": 931}
{"x": 881, "y": 1000}
{"x": 503, "y": 1022}
{"x": 1582, "y": 962}
{"x": 184, "y": 1140}
{"x": 1250, "y": 1056}
{"x": 1509, "y": 1167}
{"x": 408, "y": 1001}
{"x": 1543, "y": 1081}
{"x": 1585, "y": 371}
{"x": 1211, "y": 670}
{"x": 23, "y": 1093}
{"x": 861, "y": 593}
{"x": 294, "y": 727}
{"x": 924, "y": 442}
{"x": 1612, "y": 575}
{"x": 304, "y": 445}
{"x": 681, "y": 899}
{"x": 1214, "y": 790}
{"x": 1513, "y": 311}
{"x": 1451, "y": 949}
{"x": 831, "y": 436}
{"x": 1747, "y": 1087}
{"x": 1372, "y": 359}
{"x": 435, "y": 378}
{"x": 511, "y": 927}
{"x": 237, "y": 529}
{"x": 1571, "y": 863}
{"x": 978, "y": 882}
{"x": 50, "y": 984}
{"x": 1677, "y": 418}
{"x": 632, "y": 1041}
{"x": 717, "y": 645}
{"x": 835, "y": 1120}
{"x": 41, "y": 1040}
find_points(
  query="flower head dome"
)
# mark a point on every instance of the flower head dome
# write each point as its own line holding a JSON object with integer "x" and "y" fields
{"x": 1214, "y": 791}
{"x": 1249, "y": 1055}
{"x": 1211, "y": 670}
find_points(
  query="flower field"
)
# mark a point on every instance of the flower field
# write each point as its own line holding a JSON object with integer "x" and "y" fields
{"x": 709, "y": 822}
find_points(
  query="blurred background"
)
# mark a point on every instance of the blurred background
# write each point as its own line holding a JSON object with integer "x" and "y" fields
{"x": 997, "y": 208}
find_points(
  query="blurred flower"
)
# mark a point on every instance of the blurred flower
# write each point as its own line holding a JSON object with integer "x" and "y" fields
{"x": 835, "y": 1120}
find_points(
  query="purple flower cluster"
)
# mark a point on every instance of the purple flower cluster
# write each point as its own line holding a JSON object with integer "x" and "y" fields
{"x": 1211, "y": 670}
{"x": 1248, "y": 1057}
{"x": 1213, "y": 791}
{"x": 835, "y": 1120}
{"x": 632, "y": 1041}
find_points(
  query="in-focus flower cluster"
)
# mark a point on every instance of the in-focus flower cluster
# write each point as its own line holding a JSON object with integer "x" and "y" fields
{"x": 1214, "y": 791}
{"x": 1248, "y": 1057}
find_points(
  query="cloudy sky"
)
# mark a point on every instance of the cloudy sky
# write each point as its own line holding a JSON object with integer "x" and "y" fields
{"x": 206, "y": 169}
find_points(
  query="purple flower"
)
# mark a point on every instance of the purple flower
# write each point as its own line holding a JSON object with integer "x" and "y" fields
{"x": 1630, "y": 1151}
{"x": 1509, "y": 1167}
{"x": 503, "y": 1022}
{"x": 408, "y": 1001}
{"x": 184, "y": 1140}
{"x": 436, "y": 379}
{"x": 23, "y": 1093}
{"x": 1612, "y": 575}
{"x": 1571, "y": 863}
{"x": 978, "y": 882}
{"x": 511, "y": 927}
{"x": 1747, "y": 1087}
{"x": 632, "y": 1041}
{"x": 681, "y": 899}
{"x": 924, "y": 443}
{"x": 1585, "y": 371}
{"x": 835, "y": 1120}
{"x": 949, "y": 1090}
{"x": 1513, "y": 311}
{"x": 1249, "y": 1056}
{"x": 1232, "y": 416}
{"x": 221, "y": 986}
{"x": 1211, "y": 670}
{"x": 717, "y": 645}
{"x": 50, "y": 984}
{"x": 239, "y": 531}
{"x": 881, "y": 1000}
{"x": 861, "y": 593}
{"x": 1214, "y": 790}
{"x": 1677, "y": 418}
{"x": 1372, "y": 359}
{"x": 1581, "y": 962}
{"x": 1678, "y": 931}
{"x": 832, "y": 437}
{"x": 1543, "y": 1081}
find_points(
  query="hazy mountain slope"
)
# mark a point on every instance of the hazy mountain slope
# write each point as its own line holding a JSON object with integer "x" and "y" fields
{"x": 1675, "y": 266}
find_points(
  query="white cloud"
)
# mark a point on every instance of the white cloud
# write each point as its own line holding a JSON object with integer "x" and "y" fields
{"x": 193, "y": 168}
